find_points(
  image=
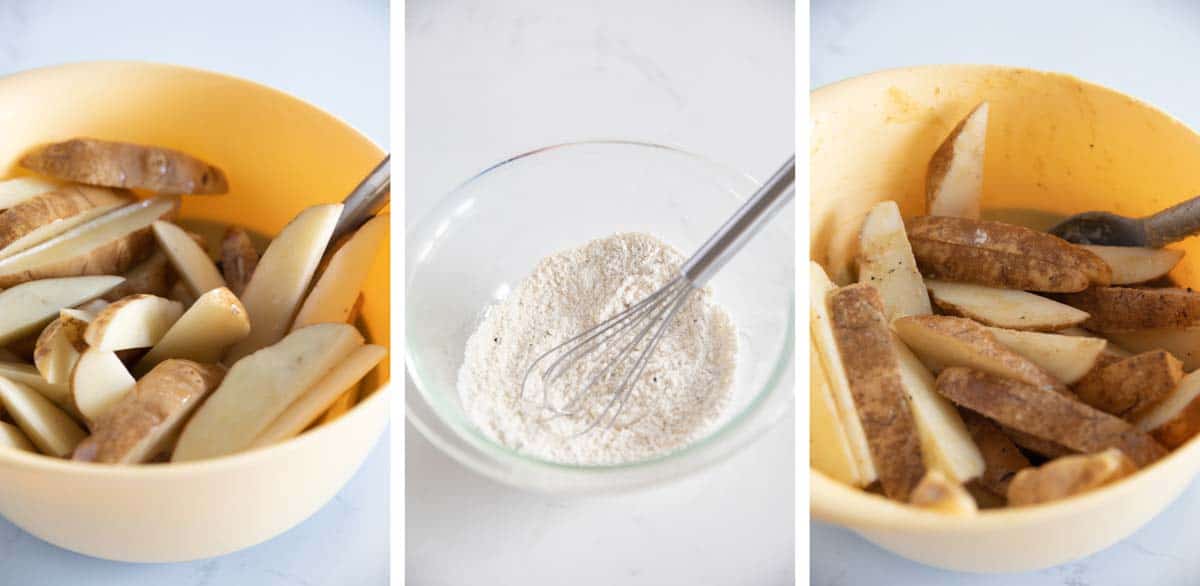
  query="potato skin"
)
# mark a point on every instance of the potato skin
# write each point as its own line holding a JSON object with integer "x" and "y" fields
{"x": 112, "y": 258}
{"x": 1068, "y": 476}
{"x": 127, "y": 165}
{"x": 1001, "y": 255}
{"x": 61, "y": 203}
{"x": 981, "y": 343}
{"x": 1002, "y": 458}
{"x": 1129, "y": 387}
{"x": 239, "y": 259}
{"x": 1125, "y": 309}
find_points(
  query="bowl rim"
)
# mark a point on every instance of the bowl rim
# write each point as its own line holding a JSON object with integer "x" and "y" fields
{"x": 495, "y": 451}
{"x": 375, "y": 399}
{"x": 856, "y": 508}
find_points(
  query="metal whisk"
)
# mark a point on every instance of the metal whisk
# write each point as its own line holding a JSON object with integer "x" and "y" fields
{"x": 647, "y": 320}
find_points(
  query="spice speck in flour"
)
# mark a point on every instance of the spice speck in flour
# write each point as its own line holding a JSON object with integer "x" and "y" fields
{"x": 681, "y": 394}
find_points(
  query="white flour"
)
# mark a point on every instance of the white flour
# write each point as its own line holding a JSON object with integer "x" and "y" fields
{"x": 682, "y": 392}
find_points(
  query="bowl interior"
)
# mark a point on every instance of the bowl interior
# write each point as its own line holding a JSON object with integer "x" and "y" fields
{"x": 486, "y": 236}
{"x": 1056, "y": 145}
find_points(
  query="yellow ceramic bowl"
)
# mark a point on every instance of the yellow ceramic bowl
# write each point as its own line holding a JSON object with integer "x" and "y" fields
{"x": 1055, "y": 144}
{"x": 281, "y": 155}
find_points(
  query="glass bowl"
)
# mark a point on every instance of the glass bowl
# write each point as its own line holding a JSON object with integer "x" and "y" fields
{"x": 484, "y": 237}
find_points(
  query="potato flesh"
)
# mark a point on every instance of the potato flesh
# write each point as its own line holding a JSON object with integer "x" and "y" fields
{"x": 27, "y": 307}
{"x": 1005, "y": 308}
{"x": 138, "y": 321}
{"x": 1176, "y": 419}
{"x": 12, "y": 437}
{"x": 48, "y": 427}
{"x": 58, "y": 348}
{"x": 1066, "y": 358}
{"x": 943, "y": 341}
{"x": 53, "y": 213}
{"x": 191, "y": 262}
{"x": 1131, "y": 265}
{"x": 20, "y": 189}
{"x": 25, "y": 374}
{"x": 943, "y": 495}
{"x": 885, "y": 261}
{"x": 333, "y": 296}
{"x": 1182, "y": 343}
{"x": 945, "y": 442}
{"x": 954, "y": 179}
{"x": 98, "y": 382}
{"x": 282, "y": 277}
{"x": 1068, "y": 476}
{"x": 214, "y": 322}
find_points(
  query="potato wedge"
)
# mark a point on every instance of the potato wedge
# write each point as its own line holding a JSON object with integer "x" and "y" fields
{"x": 829, "y": 448}
{"x": 1111, "y": 349}
{"x": 1032, "y": 443}
{"x": 317, "y": 399}
{"x": 137, "y": 321}
{"x": 48, "y": 427}
{"x": 337, "y": 289}
{"x": 1131, "y": 265}
{"x": 26, "y": 308}
{"x": 885, "y": 261}
{"x": 146, "y": 422}
{"x": 214, "y": 322}
{"x": 188, "y": 258}
{"x": 238, "y": 259}
{"x": 58, "y": 348}
{"x": 946, "y": 444}
{"x": 26, "y": 374}
{"x": 1068, "y": 476}
{"x": 1066, "y": 358}
{"x": 865, "y": 342}
{"x": 110, "y": 244}
{"x": 1124, "y": 309}
{"x": 12, "y": 437}
{"x": 1002, "y": 459}
{"x": 50, "y": 214}
{"x": 839, "y": 386}
{"x": 1175, "y": 419}
{"x": 21, "y": 189}
{"x": 180, "y": 292}
{"x": 954, "y": 178}
{"x": 1001, "y": 255}
{"x": 98, "y": 382}
{"x": 1003, "y": 308}
{"x": 940, "y": 494}
{"x": 944, "y": 341}
{"x": 261, "y": 386}
{"x": 121, "y": 164}
{"x": 1051, "y": 416}
{"x": 153, "y": 276}
{"x": 1130, "y": 387}
{"x": 1182, "y": 343}
{"x": 282, "y": 277}
{"x": 340, "y": 406}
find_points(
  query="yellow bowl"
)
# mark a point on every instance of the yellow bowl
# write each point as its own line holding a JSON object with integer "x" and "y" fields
{"x": 1055, "y": 144}
{"x": 281, "y": 155}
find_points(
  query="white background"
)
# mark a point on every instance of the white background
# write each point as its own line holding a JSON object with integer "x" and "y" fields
{"x": 487, "y": 80}
{"x": 333, "y": 53}
{"x": 1146, "y": 49}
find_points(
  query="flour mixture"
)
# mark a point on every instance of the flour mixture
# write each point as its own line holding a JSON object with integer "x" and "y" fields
{"x": 682, "y": 392}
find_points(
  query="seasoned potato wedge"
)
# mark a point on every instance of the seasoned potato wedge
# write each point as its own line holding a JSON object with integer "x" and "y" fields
{"x": 1130, "y": 387}
{"x": 940, "y": 494}
{"x": 1175, "y": 419}
{"x": 944, "y": 341}
{"x": 1068, "y": 476}
{"x": 945, "y": 442}
{"x": 1002, "y": 459}
{"x": 1131, "y": 265}
{"x": 120, "y": 164}
{"x": 954, "y": 179}
{"x": 885, "y": 261}
{"x": 1182, "y": 343}
{"x": 1124, "y": 309}
{"x": 1066, "y": 358}
{"x": 1001, "y": 255}
{"x": 828, "y": 446}
{"x": 1004, "y": 308}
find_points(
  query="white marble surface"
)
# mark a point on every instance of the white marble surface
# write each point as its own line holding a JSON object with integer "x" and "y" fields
{"x": 331, "y": 53}
{"x": 487, "y": 80}
{"x": 1146, "y": 49}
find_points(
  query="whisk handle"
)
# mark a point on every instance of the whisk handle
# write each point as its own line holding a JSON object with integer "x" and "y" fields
{"x": 743, "y": 225}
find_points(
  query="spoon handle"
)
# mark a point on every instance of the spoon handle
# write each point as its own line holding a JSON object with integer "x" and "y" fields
{"x": 1173, "y": 224}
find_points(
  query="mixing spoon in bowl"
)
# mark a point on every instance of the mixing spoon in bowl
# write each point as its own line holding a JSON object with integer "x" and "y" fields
{"x": 622, "y": 335}
{"x": 1154, "y": 231}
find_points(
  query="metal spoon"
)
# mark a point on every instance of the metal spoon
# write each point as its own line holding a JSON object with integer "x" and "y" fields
{"x": 369, "y": 197}
{"x": 1170, "y": 225}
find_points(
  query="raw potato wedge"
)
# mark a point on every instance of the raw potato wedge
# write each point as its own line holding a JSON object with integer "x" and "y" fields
{"x": 188, "y": 258}
{"x": 137, "y": 321}
{"x": 58, "y": 348}
{"x": 865, "y": 342}
{"x": 122, "y": 164}
{"x": 26, "y": 374}
{"x": 340, "y": 406}
{"x": 1068, "y": 476}
{"x": 945, "y": 442}
{"x": 25, "y": 308}
{"x": 1002, "y": 459}
{"x": 238, "y": 259}
{"x": 1001, "y": 255}
{"x": 1066, "y": 358}
{"x": 1124, "y": 309}
{"x": 1130, "y": 387}
{"x": 939, "y": 494}
{"x": 108, "y": 245}
{"x": 12, "y": 437}
{"x": 954, "y": 178}
{"x": 21, "y": 189}
{"x": 48, "y": 427}
{"x": 50, "y": 214}
{"x": 283, "y": 276}
{"x": 1131, "y": 265}
{"x": 1050, "y": 416}
{"x": 261, "y": 386}
{"x": 1003, "y": 308}
{"x": 885, "y": 261}
{"x": 309, "y": 406}
{"x": 180, "y": 292}
{"x": 1177, "y": 418}
{"x": 145, "y": 422}
{"x": 831, "y": 362}
{"x": 1182, "y": 343}
{"x": 152, "y": 276}
{"x": 828, "y": 446}
{"x": 944, "y": 341}
{"x": 98, "y": 382}
{"x": 333, "y": 296}
{"x": 215, "y": 321}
